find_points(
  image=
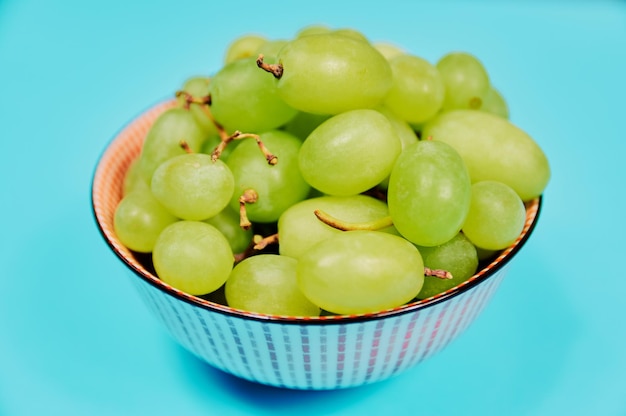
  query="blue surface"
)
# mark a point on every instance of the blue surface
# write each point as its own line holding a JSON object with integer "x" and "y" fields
{"x": 76, "y": 339}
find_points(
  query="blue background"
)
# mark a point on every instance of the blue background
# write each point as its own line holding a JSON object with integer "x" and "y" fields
{"x": 76, "y": 339}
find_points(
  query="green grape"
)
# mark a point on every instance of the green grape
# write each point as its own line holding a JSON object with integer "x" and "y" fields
{"x": 457, "y": 256}
{"x": 133, "y": 180}
{"x": 351, "y": 33}
{"x": 418, "y": 91}
{"x": 330, "y": 74}
{"x": 244, "y": 47}
{"x": 429, "y": 193}
{"x": 198, "y": 87}
{"x": 299, "y": 229}
{"x": 192, "y": 256}
{"x": 313, "y": 30}
{"x": 193, "y": 186}
{"x": 350, "y": 152}
{"x": 388, "y": 50}
{"x": 466, "y": 81}
{"x": 244, "y": 98}
{"x": 495, "y": 103}
{"x": 277, "y": 186}
{"x": 139, "y": 219}
{"x": 361, "y": 272}
{"x": 493, "y": 149}
{"x": 227, "y": 221}
{"x": 496, "y": 216}
{"x": 270, "y": 50}
{"x": 304, "y": 123}
{"x": 164, "y": 138}
{"x": 404, "y": 131}
{"x": 267, "y": 283}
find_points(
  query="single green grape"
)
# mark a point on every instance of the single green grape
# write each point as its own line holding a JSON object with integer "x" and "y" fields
{"x": 227, "y": 222}
{"x": 163, "y": 140}
{"x": 133, "y": 180}
{"x": 193, "y": 186}
{"x": 313, "y": 30}
{"x": 278, "y": 186}
{"x": 139, "y": 219}
{"x": 495, "y": 103}
{"x": 496, "y": 216}
{"x": 429, "y": 193}
{"x": 299, "y": 228}
{"x": 388, "y": 50}
{"x": 192, "y": 256}
{"x": 493, "y": 149}
{"x": 270, "y": 50}
{"x": 358, "y": 272}
{"x": 244, "y": 47}
{"x": 332, "y": 73}
{"x": 244, "y": 98}
{"x": 466, "y": 81}
{"x": 457, "y": 256}
{"x": 351, "y": 33}
{"x": 267, "y": 283}
{"x": 198, "y": 87}
{"x": 418, "y": 90}
{"x": 350, "y": 152}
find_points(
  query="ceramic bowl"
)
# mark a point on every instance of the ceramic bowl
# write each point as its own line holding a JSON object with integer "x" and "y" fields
{"x": 327, "y": 352}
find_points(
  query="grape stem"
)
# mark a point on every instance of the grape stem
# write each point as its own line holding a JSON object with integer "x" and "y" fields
{"x": 441, "y": 274}
{"x": 271, "y": 158}
{"x": 328, "y": 219}
{"x": 249, "y": 196}
{"x": 274, "y": 69}
{"x": 261, "y": 242}
{"x": 185, "y": 146}
{"x": 204, "y": 103}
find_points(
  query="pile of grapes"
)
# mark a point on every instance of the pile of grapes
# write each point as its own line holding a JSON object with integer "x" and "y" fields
{"x": 327, "y": 174}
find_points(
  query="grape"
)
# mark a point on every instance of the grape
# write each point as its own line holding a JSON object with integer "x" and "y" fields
{"x": 429, "y": 193}
{"x": 388, "y": 50}
{"x": 192, "y": 256}
{"x": 466, "y": 81}
{"x": 457, "y": 256}
{"x": 244, "y": 47}
{"x": 299, "y": 229}
{"x": 495, "y": 103}
{"x": 133, "y": 180}
{"x": 304, "y": 123}
{"x": 267, "y": 283}
{"x": 227, "y": 221}
{"x": 164, "y": 137}
{"x": 496, "y": 216}
{"x": 350, "y": 152}
{"x": 139, "y": 219}
{"x": 193, "y": 186}
{"x": 418, "y": 91}
{"x": 351, "y": 33}
{"x": 270, "y": 50}
{"x": 277, "y": 186}
{"x": 360, "y": 272}
{"x": 244, "y": 98}
{"x": 493, "y": 149}
{"x": 313, "y": 30}
{"x": 330, "y": 74}
{"x": 198, "y": 87}
{"x": 405, "y": 133}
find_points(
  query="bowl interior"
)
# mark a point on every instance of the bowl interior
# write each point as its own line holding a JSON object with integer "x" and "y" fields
{"x": 107, "y": 189}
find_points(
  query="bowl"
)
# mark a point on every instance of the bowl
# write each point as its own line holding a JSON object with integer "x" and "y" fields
{"x": 310, "y": 353}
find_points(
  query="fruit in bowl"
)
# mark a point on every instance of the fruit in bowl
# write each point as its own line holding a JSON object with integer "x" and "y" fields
{"x": 289, "y": 225}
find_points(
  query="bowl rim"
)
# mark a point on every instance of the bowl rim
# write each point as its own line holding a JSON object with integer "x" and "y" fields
{"x": 533, "y": 209}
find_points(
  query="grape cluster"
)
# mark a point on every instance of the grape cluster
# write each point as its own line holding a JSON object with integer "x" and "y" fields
{"x": 327, "y": 174}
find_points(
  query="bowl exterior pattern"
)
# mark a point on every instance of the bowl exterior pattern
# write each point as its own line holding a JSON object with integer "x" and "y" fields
{"x": 292, "y": 352}
{"x": 323, "y": 355}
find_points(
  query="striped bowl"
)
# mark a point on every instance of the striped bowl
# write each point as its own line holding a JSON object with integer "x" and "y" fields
{"x": 327, "y": 352}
